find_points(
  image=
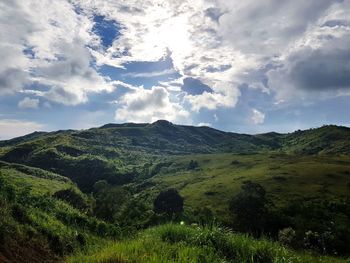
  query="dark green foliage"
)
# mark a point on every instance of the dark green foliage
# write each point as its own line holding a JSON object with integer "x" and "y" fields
{"x": 73, "y": 198}
{"x": 250, "y": 208}
{"x": 135, "y": 214}
{"x": 169, "y": 202}
{"x": 109, "y": 201}
{"x": 84, "y": 170}
{"x": 192, "y": 165}
{"x": 19, "y": 153}
{"x": 321, "y": 225}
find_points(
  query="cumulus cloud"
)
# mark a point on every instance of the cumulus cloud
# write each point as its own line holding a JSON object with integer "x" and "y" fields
{"x": 319, "y": 63}
{"x": 47, "y": 43}
{"x": 10, "y": 128}
{"x": 257, "y": 117}
{"x": 312, "y": 72}
{"x": 287, "y": 48}
{"x": 218, "y": 43}
{"x": 143, "y": 105}
{"x": 188, "y": 30}
{"x": 269, "y": 27}
{"x": 212, "y": 100}
{"x": 28, "y": 103}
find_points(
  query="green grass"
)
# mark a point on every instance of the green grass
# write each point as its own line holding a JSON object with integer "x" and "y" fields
{"x": 285, "y": 177}
{"x": 176, "y": 243}
{"x": 36, "y": 184}
{"x": 36, "y": 227}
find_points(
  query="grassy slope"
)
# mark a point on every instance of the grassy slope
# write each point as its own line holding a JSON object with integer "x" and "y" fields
{"x": 34, "y": 226}
{"x": 285, "y": 177}
{"x": 37, "y": 180}
{"x": 175, "y": 243}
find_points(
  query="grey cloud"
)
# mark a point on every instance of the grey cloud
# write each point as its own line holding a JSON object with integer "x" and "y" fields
{"x": 195, "y": 87}
{"x": 12, "y": 79}
{"x": 266, "y": 27}
{"x": 214, "y": 13}
{"x": 336, "y": 22}
{"x": 60, "y": 95}
{"x": 220, "y": 68}
{"x": 321, "y": 69}
{"x": 325, "y": 69}
{"x": 75, "y": 62}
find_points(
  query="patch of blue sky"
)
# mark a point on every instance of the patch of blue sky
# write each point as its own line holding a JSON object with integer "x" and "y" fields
{"x": 107, "y": 30}
{"x": 29, "y": 52}
{"x": 143, "y": 73}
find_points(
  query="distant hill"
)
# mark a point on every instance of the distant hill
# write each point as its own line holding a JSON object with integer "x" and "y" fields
{"x": 119, "y": 152}
{"x": 164, "y": 137}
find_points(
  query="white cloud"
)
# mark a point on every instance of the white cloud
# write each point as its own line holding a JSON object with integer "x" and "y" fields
{"x": 181, "y": 28}
{"x": 221, "y": 43}
{"x": 48, "y": 40}
{"x": 143, "y": 105}
{"x": 10, "y": 128}
{"x": 212, "y": 100}
{"x": 204, "y": 124}
{"x": 28, "y": 103}
{"x": 151, "y": 74}
{"x": 257, "y": 117}
{"x": 218, "y": 42}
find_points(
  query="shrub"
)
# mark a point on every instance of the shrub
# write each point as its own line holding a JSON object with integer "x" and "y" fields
{"x": 286, "y": 236}
{"x": 192, "y": 165}
{"x": 73, "y": 198}
{"x": 169, "y": 202}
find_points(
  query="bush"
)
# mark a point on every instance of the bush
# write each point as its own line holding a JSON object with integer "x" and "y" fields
{"x": 169, "y": 202}
{"x": 192, "y": 165}
{"x": 73, "y": 198}
{"x": 286, "y": 236}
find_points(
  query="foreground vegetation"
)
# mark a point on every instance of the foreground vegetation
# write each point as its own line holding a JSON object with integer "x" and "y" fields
{"x": 37, "y": 227}
{"x": 179, "y": 243}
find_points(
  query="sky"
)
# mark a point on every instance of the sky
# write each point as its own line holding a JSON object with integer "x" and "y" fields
{"x": 240, "y": 66}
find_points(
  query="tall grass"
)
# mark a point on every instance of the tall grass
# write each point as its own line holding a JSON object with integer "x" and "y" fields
{"x": 175, "y": 243}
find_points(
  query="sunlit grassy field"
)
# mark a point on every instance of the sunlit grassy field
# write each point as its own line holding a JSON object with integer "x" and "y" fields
{"x": 37, "y": 180}
{"x": 285, "y": 177}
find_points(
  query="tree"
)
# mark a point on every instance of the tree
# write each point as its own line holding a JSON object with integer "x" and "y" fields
{"x": 109, "y": 201}
{"x": 193, "y": 165}
{"x": 169, "y": 202}
{"x": 250, "y": 208}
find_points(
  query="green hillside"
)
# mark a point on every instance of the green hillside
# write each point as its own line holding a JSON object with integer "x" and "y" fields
{"x": 38, "y": 226}
{"x": 285, "y": 177}
{"x": 73, "y": 192}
